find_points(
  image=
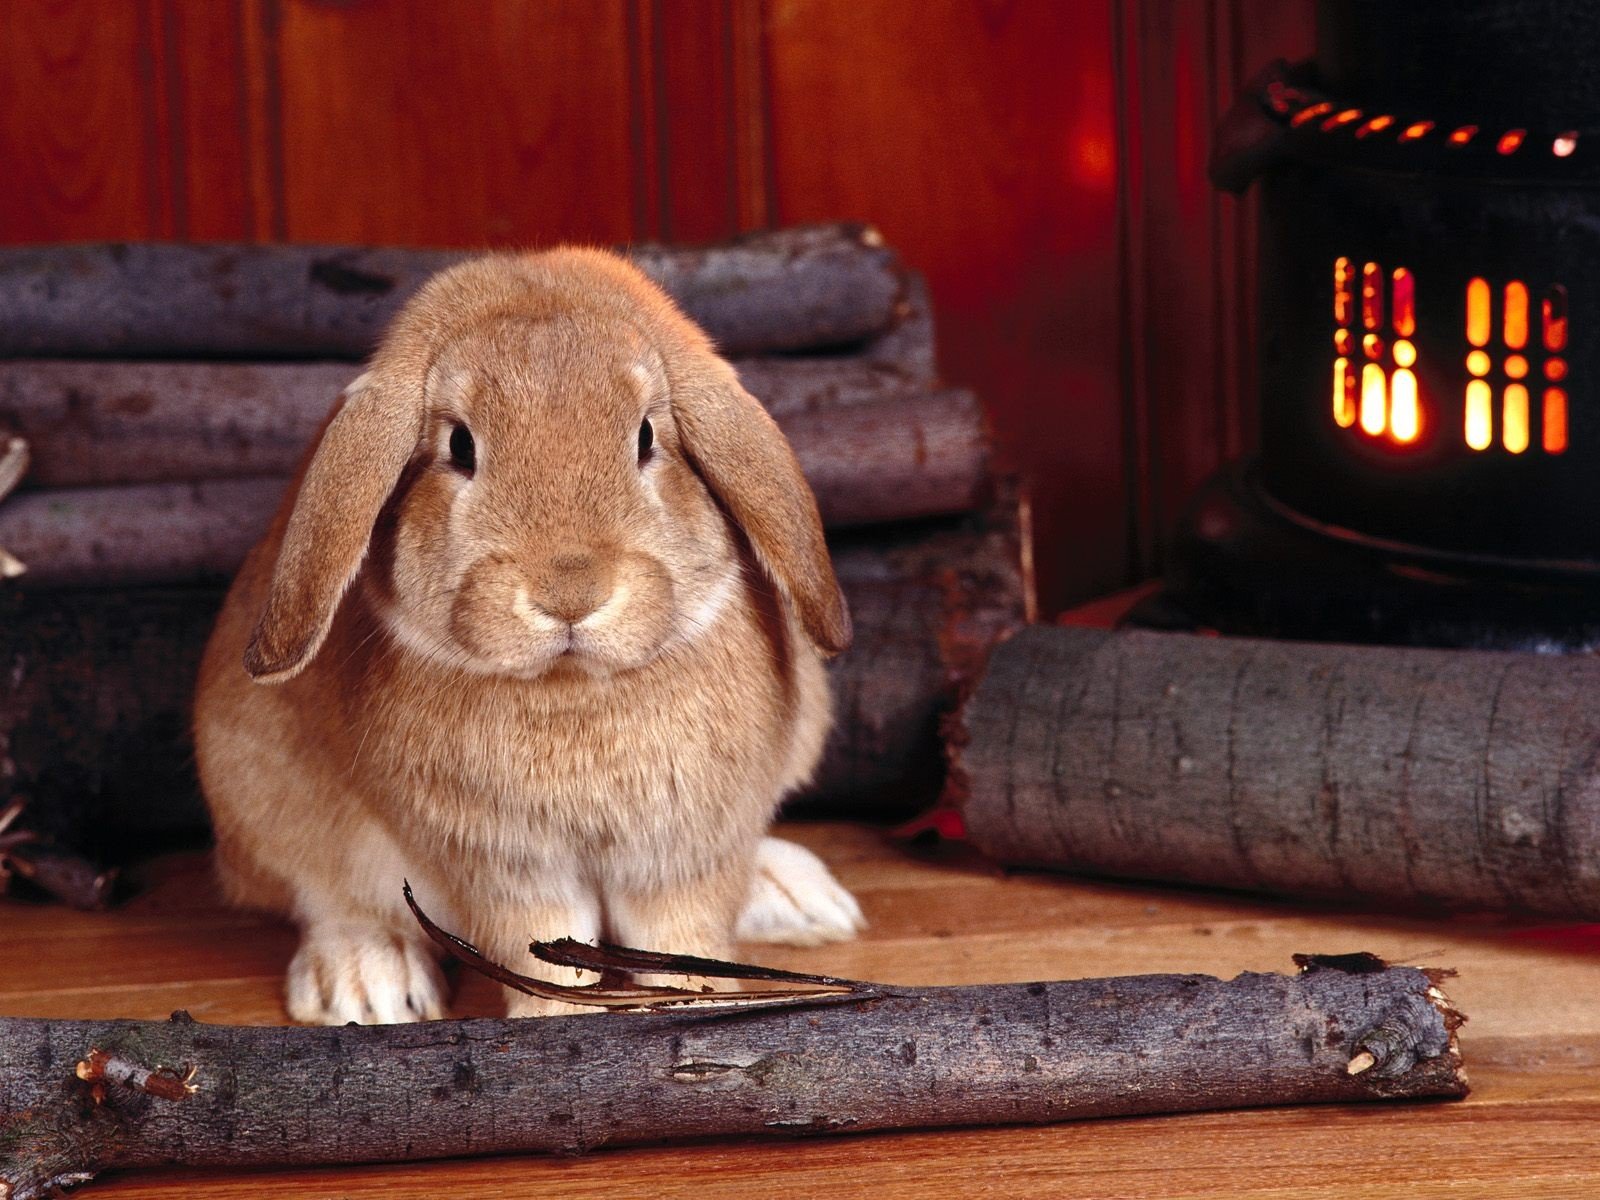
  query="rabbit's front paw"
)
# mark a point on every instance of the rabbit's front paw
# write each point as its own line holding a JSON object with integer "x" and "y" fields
{"x": 364, "y": 974}
{"x": 796, "y": 901}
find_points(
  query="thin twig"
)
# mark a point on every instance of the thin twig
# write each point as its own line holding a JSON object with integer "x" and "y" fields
{"x": 809, "y": 989}
{"x": 13, "y": 466}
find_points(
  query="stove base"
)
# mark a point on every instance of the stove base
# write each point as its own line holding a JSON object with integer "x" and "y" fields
{"x": 1243, "y": 566}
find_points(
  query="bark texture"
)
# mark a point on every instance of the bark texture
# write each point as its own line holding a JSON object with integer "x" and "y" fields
{"x": 792, "y": 289}
{"x": 95, "y": 696}
{"x": 907, "y": 457}
{"x": 181, "y": 1093}
{"x": 1452, "y": 778}
{"x": 95, "y": 423}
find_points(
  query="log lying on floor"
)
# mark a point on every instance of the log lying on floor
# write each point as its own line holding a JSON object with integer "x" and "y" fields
{"x": 96, "y": 423}
{"x": 790, "y": 289}
{"x": 94, "y": 704}
{"x": 182, "y": 1093}
{"x": 910, "y": 457}
{"x": 1444, "y": 778}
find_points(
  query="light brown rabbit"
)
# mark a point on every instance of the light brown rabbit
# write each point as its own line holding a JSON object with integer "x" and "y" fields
{"x": 540, "y": 627}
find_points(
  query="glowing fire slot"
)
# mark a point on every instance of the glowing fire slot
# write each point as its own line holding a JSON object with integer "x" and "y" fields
{"x": 1372, "y": 296}
{"x": 1478, "y": 313}
{"x": 1405, "y": 354}
{"x": 1374, "y": 399}
{"x": 1555, "y": 420}
{"x": 1565, "y": 144}
{"x": 1417, "y": 129}
{"x": 1344, "y": 394}
{"x": 1479, "y": 418}
{"x": 1460, "y": 137}
{"x": 1478, "y": 363}
{"x": 1307, "y": 115}
{"x": 1342, "y": 118}
{"x": 1376, "y": 125}
{"x": 1372, "y": 346}
{"x": 1404, "y": 302}
{"x": 1511, "y": 141}
{"x": 1342, "y": 341}
{"x": 1404, "y": 417}
{"x": 1341, "y": 290}
{"x": 1553, "y": 309}
{"x": 1514, "y": 418}
{"x": 1516, "y": 315}
{"x": 1555, "y": 369}
{"x": 1516, "y": 367}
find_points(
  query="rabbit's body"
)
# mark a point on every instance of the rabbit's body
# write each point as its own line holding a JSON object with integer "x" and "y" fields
{"x": 560, "y": 690}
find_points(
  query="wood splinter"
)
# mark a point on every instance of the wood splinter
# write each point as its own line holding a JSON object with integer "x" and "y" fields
{"x": 13, "y": 466}
{"x": 101, "y": 1067}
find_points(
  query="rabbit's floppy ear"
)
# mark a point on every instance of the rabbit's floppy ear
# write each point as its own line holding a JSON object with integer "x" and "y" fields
{"x": 357, "y": 463}
{"x": 747, "y": 463}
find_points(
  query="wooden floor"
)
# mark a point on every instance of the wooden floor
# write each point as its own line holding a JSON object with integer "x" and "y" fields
{"x": 1532, "y": 1046}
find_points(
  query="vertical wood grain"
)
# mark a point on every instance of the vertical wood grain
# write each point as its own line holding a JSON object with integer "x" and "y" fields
{"x": 403, "y": 120}
{"x": 79, "y": 108}
{"x": 981, "y": 139}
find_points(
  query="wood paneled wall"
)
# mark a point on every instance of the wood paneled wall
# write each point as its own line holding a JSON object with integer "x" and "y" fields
{"x": 1041, "y": 160}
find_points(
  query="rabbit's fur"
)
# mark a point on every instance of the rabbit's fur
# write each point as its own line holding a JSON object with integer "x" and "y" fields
{"x": 562, "y": 693}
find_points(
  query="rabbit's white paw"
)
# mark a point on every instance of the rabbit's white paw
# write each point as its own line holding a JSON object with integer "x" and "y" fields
{"x": 796, "y": 901}
{"x": 365, "y": 974}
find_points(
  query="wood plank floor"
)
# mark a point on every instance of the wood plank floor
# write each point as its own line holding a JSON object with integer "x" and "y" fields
{"x": 1532, "y": 1046}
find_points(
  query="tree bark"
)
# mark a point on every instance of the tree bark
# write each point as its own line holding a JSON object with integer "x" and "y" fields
{"x": 94, "y": 703}
{"x": 1452, "y": 778}
{"x": 793, "y": 289}
{"x": 91, "y": 424}
{"x": 181, "y": 1093}
{"x": 906, "y": 457}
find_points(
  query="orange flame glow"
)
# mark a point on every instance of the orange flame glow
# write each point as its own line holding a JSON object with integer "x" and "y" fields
{"x": 1479, "y": 418}
{"x": 1405, "y": 302}
{"x": 1555, "y": 420}
{"x": 1553, "y": 309}
{"x": 1405, "y": 419}
{"x": 1341, "y": 290}
{"x": 1374, "y": 399}
{"x": 1516, "y": 315}
{"x": 1417, "y": 129}
{"x": 1372, "y": 296}
{"x": 1478, "y": 313}
{"x": 1344, "y": 394}
{"x": 1514, "y": 418}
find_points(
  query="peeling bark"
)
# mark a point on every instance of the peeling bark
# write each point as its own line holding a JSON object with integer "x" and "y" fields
{"x": 202, "y": 1095}
{"x": 792, "y": 289}
{"x": 1462, "y": 779}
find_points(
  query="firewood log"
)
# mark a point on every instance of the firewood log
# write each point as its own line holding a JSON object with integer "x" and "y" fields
{"x": 790, "y": 289}
{"x": 907, "y": 457}
{"x": 81, "y": 1097}
{"x": 1436, "y": 778}
{"x": 94, "y": 703}
{"x": 91, "y": 423}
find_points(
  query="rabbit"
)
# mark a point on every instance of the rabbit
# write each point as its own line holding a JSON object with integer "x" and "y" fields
{"x": 539, "y": 626}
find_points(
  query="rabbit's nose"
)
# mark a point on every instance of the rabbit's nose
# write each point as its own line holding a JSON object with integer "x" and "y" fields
{"x": 572, "y": 586}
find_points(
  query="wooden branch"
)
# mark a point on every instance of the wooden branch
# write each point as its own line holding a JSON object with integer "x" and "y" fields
{"x": 97, "y": 423}
{"x": 94, "y": 704}
{"x": 791, "y": 289}
{"x": 1415, "y": 777}
{"x": 907, "y": 457}
{"x": 182, "y": 1093}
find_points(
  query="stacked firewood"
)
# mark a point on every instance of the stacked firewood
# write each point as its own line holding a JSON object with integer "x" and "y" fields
{"x": 164, "y": 395}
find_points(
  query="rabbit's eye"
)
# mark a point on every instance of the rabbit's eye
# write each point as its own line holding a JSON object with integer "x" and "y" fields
{"x": 647, "y": 438}
{"x": 463, "y": 450}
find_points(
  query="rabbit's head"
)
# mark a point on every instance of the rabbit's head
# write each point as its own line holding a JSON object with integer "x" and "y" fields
{"x": 546, "y": 466}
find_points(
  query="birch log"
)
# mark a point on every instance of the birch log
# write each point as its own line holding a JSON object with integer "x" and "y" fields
{"x": 791, "y": 289}
{"x": 1344, "y": 1029}
{"x": 92, "y": 423}
{"x": 1455, "y": 778}
{"x": 94, "y": 703}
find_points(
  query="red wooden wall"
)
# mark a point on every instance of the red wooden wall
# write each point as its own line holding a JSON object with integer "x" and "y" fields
{"x": 1041, "y": 160}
